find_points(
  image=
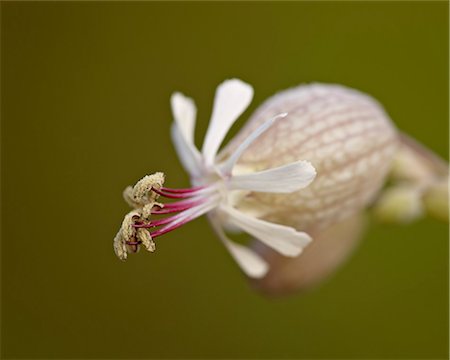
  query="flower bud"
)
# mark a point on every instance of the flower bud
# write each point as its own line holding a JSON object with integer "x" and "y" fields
{"x": 436, "y": 200}
{"x": 419, "y": 185}
{"x": 400, "y": 204}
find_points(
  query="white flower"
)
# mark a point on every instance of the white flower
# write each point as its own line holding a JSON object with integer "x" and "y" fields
{"x": 216, "y": 186}
{"x": 261, "y": 182}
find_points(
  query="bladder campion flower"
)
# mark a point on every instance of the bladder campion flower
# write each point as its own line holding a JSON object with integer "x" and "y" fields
{"x": 264, "y": 181}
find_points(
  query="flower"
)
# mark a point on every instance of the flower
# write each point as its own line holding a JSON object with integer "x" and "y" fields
{"x": 216, "y": 186}
{"x": 264, "y": 183}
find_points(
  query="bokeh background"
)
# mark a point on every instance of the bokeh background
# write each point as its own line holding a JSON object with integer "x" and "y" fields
{"x": 85, "y": 112}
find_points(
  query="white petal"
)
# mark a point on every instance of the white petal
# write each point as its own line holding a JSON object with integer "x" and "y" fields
{"x": 232, "y": 98}
{"x": 187, "y": 153}
{"x": 284, "y": 179}
{"x": 184, "y": 112}
{"x": 286, "y": 240}
{"x": 250, "y": 263}
{"x": 228, "y": 165}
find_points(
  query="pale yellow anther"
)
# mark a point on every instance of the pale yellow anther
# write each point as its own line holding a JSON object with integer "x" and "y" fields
{"x": 130, "y": 233}
{"x": 147, "y": 209}
{"x": 119, "y": 246}
{"x": 142, "y": 193}
{"x": 128, "y": 197}
{"x": 128, "y": 230}
{"x": 142, "y": 199}
{"x": 144, "y": 236}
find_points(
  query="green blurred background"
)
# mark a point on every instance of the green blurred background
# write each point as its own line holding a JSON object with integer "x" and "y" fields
{"x": 85, "y": 112}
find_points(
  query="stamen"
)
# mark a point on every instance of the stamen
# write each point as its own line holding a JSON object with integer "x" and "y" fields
{"x": 167, "y": 229}
{"x": 183, "y": 193}
{"x": 158, "y": 222}
{"x": 170, "y": 210}
{"x": 185, "y": 217}
{"x": 175, "y": 207}
{"x": 186, "y": 190}
{"x": 171, "y": 196}
{"x": 135, "y": 231}
{"x": 192, "y": 202}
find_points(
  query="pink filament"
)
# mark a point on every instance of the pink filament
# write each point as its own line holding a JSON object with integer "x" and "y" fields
{"x": 180, "y": 191}
{"x": 170, "y": 196}
{"x": 175, "y": 207}
{"x": 170, "y": 210}
{"x": 192, "y": 202}
{"x": 169, "y": 228}
{"x": 158, "y": 222}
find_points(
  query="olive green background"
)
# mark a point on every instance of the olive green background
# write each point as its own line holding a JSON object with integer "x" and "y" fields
{"x": 85, "y": 112}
